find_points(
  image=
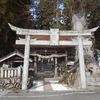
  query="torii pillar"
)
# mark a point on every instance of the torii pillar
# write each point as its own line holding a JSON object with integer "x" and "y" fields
{"x": 26, "y": 63}
{"x": 81, "y": 63}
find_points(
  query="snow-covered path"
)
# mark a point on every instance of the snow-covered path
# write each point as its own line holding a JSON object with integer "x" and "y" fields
{"x": 57, "y": 87}
{"x": 38, "y": 85}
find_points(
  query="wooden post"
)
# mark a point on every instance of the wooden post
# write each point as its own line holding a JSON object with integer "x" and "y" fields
{"x": 26, "y": 63}
{"x": 19, "y": 71}
{"x": 5, "y": 73}
{"x": 2, "y": 72}
{"x": 12, "y": 72}
{"x": 15, "y": 73}
{"x": 35, "y": 64}
{"x": 9, "y": 73}
{"x": 66, "y": 59}
{"x": 81, "y": 63}
{"x": 56, "y": 67}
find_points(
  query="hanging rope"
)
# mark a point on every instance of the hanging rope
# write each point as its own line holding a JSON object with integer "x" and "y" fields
{"x": 50, "y": 56}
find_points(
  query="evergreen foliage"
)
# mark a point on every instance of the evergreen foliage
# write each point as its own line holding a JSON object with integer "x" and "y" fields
{"x": 17, "y": 13}
{"x": 41, "y": 14}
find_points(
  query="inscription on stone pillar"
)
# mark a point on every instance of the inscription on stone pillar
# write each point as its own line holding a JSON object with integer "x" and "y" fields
{"x": 54, "y": 37}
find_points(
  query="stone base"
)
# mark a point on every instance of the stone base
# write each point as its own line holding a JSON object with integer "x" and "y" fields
{"x": 15, "y": 82}
{"x": 93, "y": 88}
{"x": 93, "y": 83}
{"x": 9, "y": 83}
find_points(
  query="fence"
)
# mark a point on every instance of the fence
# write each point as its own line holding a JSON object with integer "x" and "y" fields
{"x": 11, "y": 72}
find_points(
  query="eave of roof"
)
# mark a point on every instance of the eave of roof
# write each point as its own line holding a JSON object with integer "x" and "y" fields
{"x": 16, "y": 52}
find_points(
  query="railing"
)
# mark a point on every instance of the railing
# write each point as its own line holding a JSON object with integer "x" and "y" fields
{"x": 11, "y": 72}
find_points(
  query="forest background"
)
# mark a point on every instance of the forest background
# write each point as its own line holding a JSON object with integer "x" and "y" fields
{"x": 42, "y": 14}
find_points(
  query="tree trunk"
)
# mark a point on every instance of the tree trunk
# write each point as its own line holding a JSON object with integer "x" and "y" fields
{"x": 78, "y": 16}
{"x": 79, "y": 24}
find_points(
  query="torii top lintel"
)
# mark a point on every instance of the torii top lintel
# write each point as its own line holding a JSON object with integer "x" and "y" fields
{"x": 22, "y": 31}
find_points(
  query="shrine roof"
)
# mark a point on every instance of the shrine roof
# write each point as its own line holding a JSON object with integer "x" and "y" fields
{"x": 16, "y": 52}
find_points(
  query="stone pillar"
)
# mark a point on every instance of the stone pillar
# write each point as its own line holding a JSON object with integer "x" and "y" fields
{"x": 26, "y": 63}
{"x": 55, "y": 73}
{"x": 81, "y": 63}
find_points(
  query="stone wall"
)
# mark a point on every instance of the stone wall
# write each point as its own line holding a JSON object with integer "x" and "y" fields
{"x": 15, "y": 82}
{"x": 93, "y": 82}
{"x": 9, "y": 83}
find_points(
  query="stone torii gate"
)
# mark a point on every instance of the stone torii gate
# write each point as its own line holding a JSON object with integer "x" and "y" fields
{"x": 54, "y": 40}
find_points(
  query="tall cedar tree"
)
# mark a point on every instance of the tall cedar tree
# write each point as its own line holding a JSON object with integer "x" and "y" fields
{"x": 17, "y": 13}
{"x": 46, "y": 13}
{"x": 92, "y": 14}
{"x": 49, "y": 14}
